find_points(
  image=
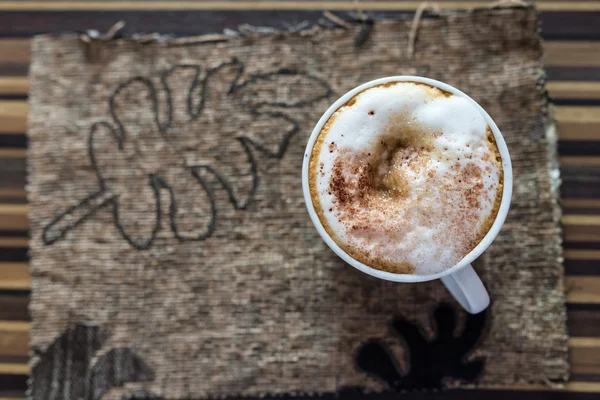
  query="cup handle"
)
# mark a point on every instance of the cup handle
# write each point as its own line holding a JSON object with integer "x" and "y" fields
{"x": 467, "y": 289}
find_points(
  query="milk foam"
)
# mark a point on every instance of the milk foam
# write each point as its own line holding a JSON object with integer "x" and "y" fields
{"x": 406, "y": 178}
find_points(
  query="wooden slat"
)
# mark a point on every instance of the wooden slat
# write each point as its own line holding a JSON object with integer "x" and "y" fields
{"x": 578, "y": 122}
{"x": 573, "y": 90}
{"x": 587, "y": 220}
{"x": 14, "y": 209}
{"x": 10, "y": 326}
{"x": 582, "y": 255}
{"x": 578, "y": 130}
{"x": 13, "y": 242}
{"x": 584, "y": 342}
{"x": 13, "y": 116}
{"x": 273, "y": 5}
{"x": 14, "y": 369}
{"x": 14, "y": 85}
{"x": 581, "y": 233}
{"x": 14, "y": 341}
{"x": 584, "y": 161}
{"x": 583, "y": 320}
{"x": 14, "y": 51}
{"x": 579, "y": 114}
{"x": 581, "y": 203}
{"x": 13, "y": 217}
{"x": 15, "y": 275}
{"x": 585, "y": 355}
{"x": 13, "y": 222}
{"x": 13, "y": 192}
{"x": 14, "y": 307}
{"x": 572, "y": 54}
{"x": 583, "y": 289}
{"x": 13, "y": 153}
{"x": 581, "y": 228}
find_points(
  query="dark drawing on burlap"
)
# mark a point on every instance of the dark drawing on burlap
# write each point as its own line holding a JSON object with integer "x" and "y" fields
{"x": 245, "y": 96}
{"x": 65, "y": 369}
{"x": 429, "y": 361}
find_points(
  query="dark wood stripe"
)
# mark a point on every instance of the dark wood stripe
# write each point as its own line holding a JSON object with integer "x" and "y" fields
{"x": 556, "y": 25}
{"x": 580, "y": 181}
{"x": 583, "y": 320}
{"x": 582, "y": 267}
{"x": 13, "y": 140}
{"x": 14, "y": 359}
{"x": 15, "y": 96}
{"x": 584, "y": 211}
{"x": 575, "y": 25}
{"x": 14, "y": 69}
{"x": 574, "y": 102}
{"x": 13, "y": 305}
{"x": 12, "y": 200}
{"x": 579, "y": 147}
{"x": 14, "y": 293}
{"x": 13, "y": 172}
{"x": 573, "y": 73}
{"x": 585, "y": 357}
{"x": 25, "y": 24}
{"x": 585, "y": 377}
{"x": 13, "y": 233}
{"x": 579, "y": 188}
{"x": 581, "y": 245}
{"x": 13, "y": 383}
{"x": 13, "y": 254}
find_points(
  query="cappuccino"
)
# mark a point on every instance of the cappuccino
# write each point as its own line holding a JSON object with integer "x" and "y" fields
{"x": 406, "y": 178}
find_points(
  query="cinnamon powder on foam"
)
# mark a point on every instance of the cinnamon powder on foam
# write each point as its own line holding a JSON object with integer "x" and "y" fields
{"x": 372, "y": 186}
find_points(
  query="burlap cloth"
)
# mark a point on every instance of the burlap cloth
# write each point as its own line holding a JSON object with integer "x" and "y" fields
{"x": 171, "y": 250}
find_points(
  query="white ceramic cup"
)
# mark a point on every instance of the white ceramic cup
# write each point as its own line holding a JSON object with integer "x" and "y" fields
{"x": 461, "y": 279}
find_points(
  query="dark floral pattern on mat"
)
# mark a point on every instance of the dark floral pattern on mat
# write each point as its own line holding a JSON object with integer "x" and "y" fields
{"x": 116, "y": 147}
{"x": 65, "y": 369}
{"x": 429, "y": 361}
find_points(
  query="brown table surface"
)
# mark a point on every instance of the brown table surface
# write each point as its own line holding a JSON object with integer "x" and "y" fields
{"x": 571, "y": 30}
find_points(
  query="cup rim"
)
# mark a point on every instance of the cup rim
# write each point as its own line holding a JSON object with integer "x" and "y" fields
{"x": 467, "y": 259}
